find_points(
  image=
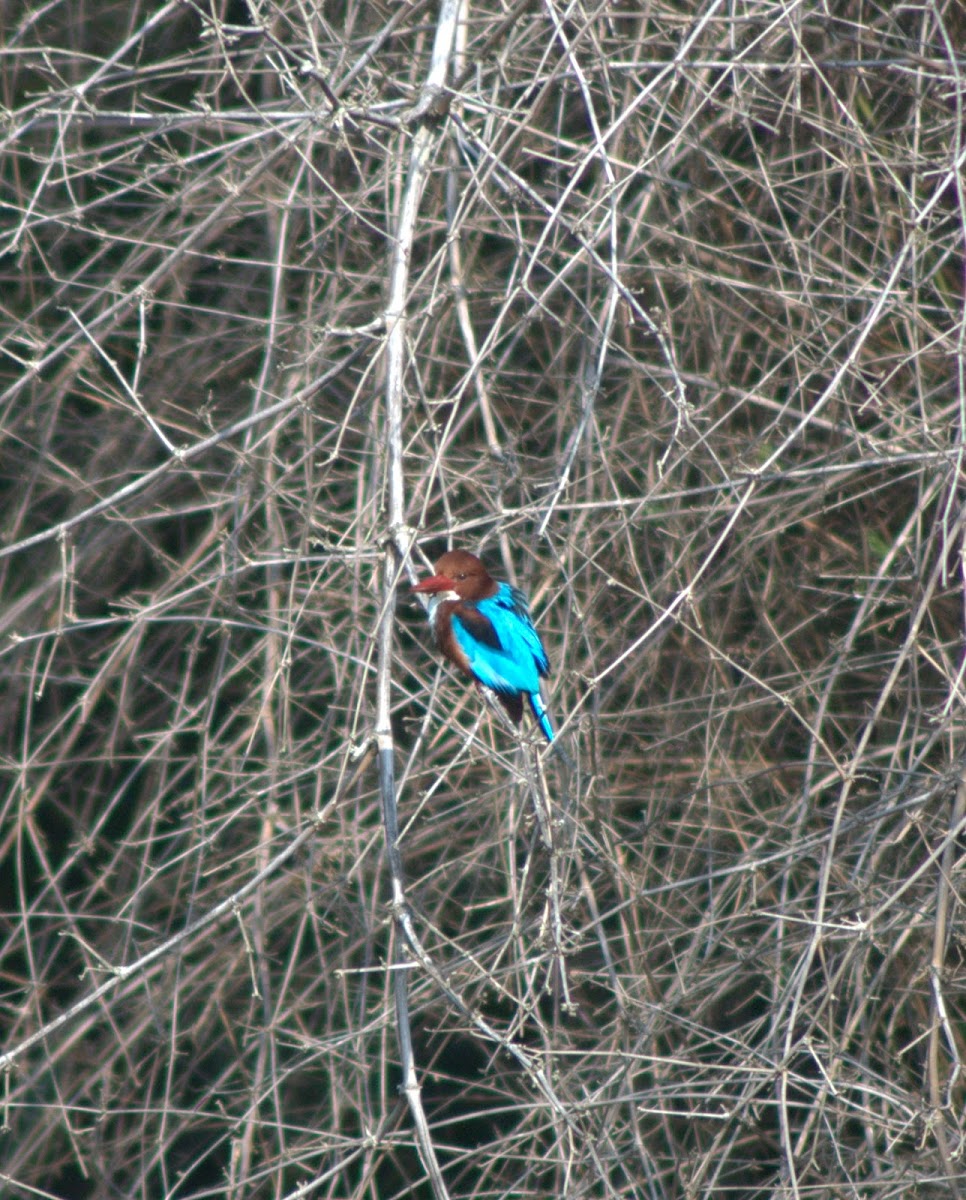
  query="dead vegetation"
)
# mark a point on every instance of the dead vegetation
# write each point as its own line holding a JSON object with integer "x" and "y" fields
{"x": 660, "y": 308}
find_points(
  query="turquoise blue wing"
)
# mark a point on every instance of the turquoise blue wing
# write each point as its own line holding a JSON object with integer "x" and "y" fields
{"x": 506, "y": 654}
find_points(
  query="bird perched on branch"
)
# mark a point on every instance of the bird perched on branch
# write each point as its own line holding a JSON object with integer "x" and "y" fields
{"x": 484, "y": 628}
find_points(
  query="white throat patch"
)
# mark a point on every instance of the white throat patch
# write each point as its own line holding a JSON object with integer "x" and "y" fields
{"x": 436, "y": 600}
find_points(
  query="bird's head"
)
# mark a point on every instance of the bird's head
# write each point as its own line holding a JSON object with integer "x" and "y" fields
{"x": 459, "y": 576}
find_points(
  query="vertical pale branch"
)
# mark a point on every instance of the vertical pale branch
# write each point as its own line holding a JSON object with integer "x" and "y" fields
{"x": 397, "y": 549}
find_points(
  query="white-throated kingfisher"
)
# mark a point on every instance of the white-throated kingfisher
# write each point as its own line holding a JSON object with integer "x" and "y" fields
{"x": 484, "y": 628}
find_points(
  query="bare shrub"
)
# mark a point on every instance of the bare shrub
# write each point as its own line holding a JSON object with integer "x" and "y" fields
{"x": 658, "y": 307}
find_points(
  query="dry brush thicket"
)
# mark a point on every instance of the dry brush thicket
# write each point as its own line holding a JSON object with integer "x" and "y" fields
{"x": 658, "y": 306}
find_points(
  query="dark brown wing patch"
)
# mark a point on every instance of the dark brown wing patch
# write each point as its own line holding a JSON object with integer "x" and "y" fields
{"x": 479, "y": 628}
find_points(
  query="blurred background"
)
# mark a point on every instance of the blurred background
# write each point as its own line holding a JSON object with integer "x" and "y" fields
{"x": 685, "y": 361}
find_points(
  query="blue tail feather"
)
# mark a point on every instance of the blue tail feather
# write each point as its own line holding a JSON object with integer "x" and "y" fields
{"x": 541, "y": 716}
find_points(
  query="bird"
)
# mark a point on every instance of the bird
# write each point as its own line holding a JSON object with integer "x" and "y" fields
{"x": 485, "y": 630}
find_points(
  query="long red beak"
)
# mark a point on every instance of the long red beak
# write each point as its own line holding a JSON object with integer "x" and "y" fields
{"x": 435, "y": 583}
